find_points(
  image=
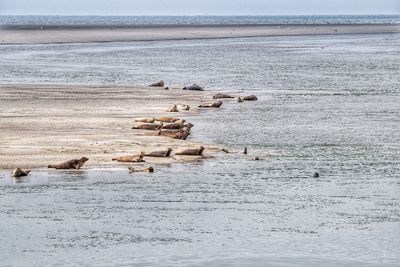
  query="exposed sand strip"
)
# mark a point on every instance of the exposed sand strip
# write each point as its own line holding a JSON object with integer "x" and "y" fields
{"x": 42, "y": 124}
{"x": 36, "y": 34}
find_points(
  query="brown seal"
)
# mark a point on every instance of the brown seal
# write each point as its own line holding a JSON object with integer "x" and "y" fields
{"x": 175, "y": 133}
{"x": 159, "y": 153}
{"x": 18, "y": 172}
{"x": 147, "y": 126}
{"x": 157, "y": 84}
{"x": 216, "y": 104}
{"x": 135, "y": 158}
{"x": 149, "y": 120}
{"x": 191, "y": 151}
{"x": 149, "y": 169}
{"x": 167, "y": 119}
{"x": 179, "y": 124}
{"x": 218, "y": 96}
{"x": 239, "y": 99}
{"x": 70, "y": 164}
{"x": 250, "y": 98}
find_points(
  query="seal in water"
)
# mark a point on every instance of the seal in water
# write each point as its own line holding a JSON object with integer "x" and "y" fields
{"x": 70, "y": 164}
{"x": 18, "y": 172}
{"x": 216, "y": 104}
{"x": 250, "y": 98}
{"x": 218, "y": 96}
{"x": 147, "y": 126}
{"x": 193, "y": 87}
{"x": 239, "y": 99}
{"x": 172, "y": 108}
{"x": 245, "y": 151}
{"x": 149, "y": 120}
{"x": 149, "y": 169}
{"x": 167, "y": 119}
{"x": 159, "y": 153}
{"x": 135, "y": 158}
{"x": 157, "y": 84}
{"x": 315, "y": 175}
{"x": 191, "y": 151}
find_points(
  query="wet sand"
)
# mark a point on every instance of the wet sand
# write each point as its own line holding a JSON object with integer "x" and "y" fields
{"x": 83, "y": 34}
{"x": 43, "y": 124}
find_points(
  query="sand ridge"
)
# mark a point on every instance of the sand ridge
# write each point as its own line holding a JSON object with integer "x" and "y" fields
{"x": 46, "y": 124}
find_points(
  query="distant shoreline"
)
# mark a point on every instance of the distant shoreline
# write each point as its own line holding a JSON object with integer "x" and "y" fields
{"x": 123, "y": 33}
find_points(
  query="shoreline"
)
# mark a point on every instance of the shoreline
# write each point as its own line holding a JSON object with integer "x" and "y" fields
{"x": 88, "y": 34}
{"x": 47, "y": 124}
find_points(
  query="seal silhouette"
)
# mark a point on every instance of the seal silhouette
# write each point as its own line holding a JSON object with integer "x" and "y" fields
{"x": 193, "y": 87}
{"x": 159, "y": 153}
{"x": 157, "y": 84}
{"x": 198, "y": 151}
{"x": 134, "y": 158}
{"x": 149, "y": 169}
{"x": 215, "y": 104}
{"x": 18, "y": 172}
{"x": 70, "y": 164}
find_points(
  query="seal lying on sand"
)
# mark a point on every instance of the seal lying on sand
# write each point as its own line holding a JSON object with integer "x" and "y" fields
{"x": 157, "y": 84}
{"x": 175, "y": 125}
{"x": 167, "y": 119}
{"x": 18, "y": 172}
{"x": 216, "y": 104}
{"x": 159, "y": 153}
{"x": 193, "y": 87}
{"x": 135, "y": 158}
{"x": 149, "y": 169}
{"x": 70, "y": 164}
{"x": 182, "y": 107}
{"x": 218, "y": 96}
{"x": 175, "y": 133}
{"x": 172, "y": 108}
{"x": 147, "y": 126}
{"x": 191, "y": 151}
{"x": 250, "y": 98}
{"x": 149, "y": 120}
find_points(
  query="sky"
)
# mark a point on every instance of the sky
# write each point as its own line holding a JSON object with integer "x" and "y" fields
{"x": 198, "y": 7}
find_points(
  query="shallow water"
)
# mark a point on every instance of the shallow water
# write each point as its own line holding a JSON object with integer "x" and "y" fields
{"x": 326, "y": 104}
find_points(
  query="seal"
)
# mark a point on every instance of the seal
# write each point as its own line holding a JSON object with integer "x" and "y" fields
{"x": 157, "y": 84}
{"x": 172, "y": 108}
{"x": 315, "y": 175}
{"x": 167, "y": 119}
{"x": 193, "y": 87}
{"x": 149, "y": 169}
{"x": 182, "y": 107}
{"x": 250, "y": 98}
{"x": 134, "y": 158}
{"x": 18, "y": 172}
{"x": 159, "y": 153}
{"x": 191, "y": 151}
{"x": 70, "y": 164}
{"x": 239, "y": 99}
{"x": 179, "y": 124}
{"x": 149, "y": 120}
{"x": 244, "y": 151}
{"x": 220, "y": 95}
{"x": 147, "y": 126}
{"x": 216, "y": 104}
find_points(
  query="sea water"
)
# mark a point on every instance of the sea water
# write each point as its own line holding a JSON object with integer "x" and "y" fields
{"x": 327, "y": 104}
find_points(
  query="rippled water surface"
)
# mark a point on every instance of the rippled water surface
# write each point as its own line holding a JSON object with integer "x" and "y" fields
{"x": 326, "y": 104}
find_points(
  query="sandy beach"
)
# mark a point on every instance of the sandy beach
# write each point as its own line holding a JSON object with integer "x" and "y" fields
{"x": 84, "y": 34}
{"x": 42, "y": 124}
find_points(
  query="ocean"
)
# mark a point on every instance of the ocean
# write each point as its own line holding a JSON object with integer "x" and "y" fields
{"x": 193, "y": 20}
{"x": 327, "y": 104}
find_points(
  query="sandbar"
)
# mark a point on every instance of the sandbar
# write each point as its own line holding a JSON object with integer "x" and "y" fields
{"x": 85, "y": 34}
{"x": 42, "y": 124}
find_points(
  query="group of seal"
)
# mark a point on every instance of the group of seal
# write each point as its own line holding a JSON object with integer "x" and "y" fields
{"x": 171, "y": 127}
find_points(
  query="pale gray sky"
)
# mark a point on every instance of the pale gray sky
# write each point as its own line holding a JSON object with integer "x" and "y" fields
{"x": 198, "y": 7}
